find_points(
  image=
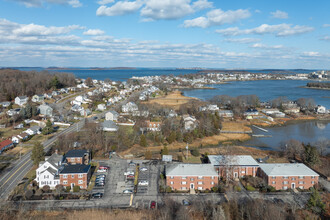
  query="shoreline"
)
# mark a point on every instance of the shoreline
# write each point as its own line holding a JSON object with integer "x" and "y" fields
{"x": 307, "y": 87}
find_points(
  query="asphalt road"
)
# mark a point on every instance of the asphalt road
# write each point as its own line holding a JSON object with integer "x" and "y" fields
{"x": 12, "y": 175}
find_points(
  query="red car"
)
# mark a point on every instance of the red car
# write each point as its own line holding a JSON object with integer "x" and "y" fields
{"x": 153, "y": 204}
{"x": 104, "y": 167}
{"x": 130, "y": 177}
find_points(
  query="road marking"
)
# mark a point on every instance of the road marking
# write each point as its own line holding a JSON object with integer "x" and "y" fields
{"x": 15, "y": 172}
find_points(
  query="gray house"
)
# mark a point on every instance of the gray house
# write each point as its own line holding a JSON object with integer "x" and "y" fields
{"x": 38, "y": 98}
{"x": 21, "y": 100}
{"x": 108, "y": 125}
{"x": 112, "y": 115}
{"x": 45, "y": 110}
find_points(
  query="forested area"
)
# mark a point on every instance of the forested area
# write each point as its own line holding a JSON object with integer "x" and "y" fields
{"x": 18, "y": 83}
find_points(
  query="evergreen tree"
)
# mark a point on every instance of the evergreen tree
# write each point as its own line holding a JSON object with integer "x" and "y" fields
{"x": 23, "y": 113}
{"x": 311, "y": 155}
{"x": 315, "y": 202}
{"x": 38, "y": 153}
{"x": 55, "y": 83}
{"x": 34, "y": 111}
{"x": 28, "y": 110}
{"x": 48, "y": 129}
{"x": 143, "y": 141}
{"x": 172, "y": 137}
{"x": 164, "y": 151}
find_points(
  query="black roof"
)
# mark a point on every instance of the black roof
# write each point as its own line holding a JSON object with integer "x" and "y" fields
{"x": 76, "y": 153}
{"x": 78, "y": 168}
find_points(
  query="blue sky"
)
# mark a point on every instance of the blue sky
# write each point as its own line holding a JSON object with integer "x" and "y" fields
{"x": 165, "y": 33}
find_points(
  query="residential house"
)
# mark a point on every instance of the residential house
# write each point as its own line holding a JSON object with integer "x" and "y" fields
{"x": 109, "y": 125}
{"x": 33, "y": 130}
{"x": 226, "y": 113}
{"x": 101, "y": 107}
{"x": 38, "y": 98}
{"x": 5, "y": 104}
{"x": 320, "y": 109}
{"x": 21, "y": 100}
{"x": 45, "y": 110}
{"x": 129, "y": 107}
{"x": 75, "y": 175}
{"x": 15, "y": 139}
{"x": 111, "y": 115}
{"x": 23, "y": 136}
{"x": 12, "y": 112}
{"x": 284, "y": 176}
{"x": 274, "y": 112}
{"x": 190, "y": 122}
{"x": 142, "y": 113}
{"x": 191, "y": 176}
{"x": 48, "y": 171}
{"x": 6, "y": 144}
{"x": 77, "y": 156}
{"x": 85, "y": 112}
{"x": 251, "y": 112}
{"x": 172, "y": 114}
{"x": 153, "y": 125}
{"x": 212, "y": 108}
{"x": 234, "y": 166}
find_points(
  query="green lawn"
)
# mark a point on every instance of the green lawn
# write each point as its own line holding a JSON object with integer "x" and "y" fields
{"x": 192, "y": 159}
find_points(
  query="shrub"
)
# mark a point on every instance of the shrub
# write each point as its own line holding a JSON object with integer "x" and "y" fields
{"x": 237, "y": 188}
{"x": 168, "y": 189}
{"x": 215, "y": 189}
{"x": 195, "y": 152}
{"x": 46, "y": 188}
{"x": 68, "y": 188}
{"x": 271, "y": 189}
{"x": 250, "y": 188}
{"x": 76, "y": 188}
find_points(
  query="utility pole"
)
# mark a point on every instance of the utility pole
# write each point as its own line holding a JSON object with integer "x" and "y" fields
{"x": 187, "y": 150}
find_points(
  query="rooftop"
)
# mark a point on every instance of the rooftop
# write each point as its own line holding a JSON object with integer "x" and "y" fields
{"x": 287, "y": 169}
{"x": 76, "y": 153}
{"x": 78, "y": 168}
{"x": 232, "y": 160}
{"x": 190, "y": 170}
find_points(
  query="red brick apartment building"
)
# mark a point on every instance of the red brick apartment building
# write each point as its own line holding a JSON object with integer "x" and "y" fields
{"x": 234, "y": 166}
{"x": 284, "y": 176}
{"x": 75, "y": 175}
{"x": 77, "y": 157}
{"x": 191, "y": 176}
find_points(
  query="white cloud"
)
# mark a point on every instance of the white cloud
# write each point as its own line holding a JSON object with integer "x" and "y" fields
{"x": 218, "y": 17}
{"x": 279, "y": 14}
{"x": 242, "y": 40}
{"x": 311, "y": 54}
{"x": 326, "y": 25}
{"x": 202, "y": 4}
{"x": 40, "y": 3}
{"x": 119, "y": 8}
{"x": 166, "y": 9}
{"x": 93, "y": 32}
{"x": 279, "y": 30}
{"x": 105, "y": 2}
{"x": 264, "y": 46}
{"x": 33, "y": 30}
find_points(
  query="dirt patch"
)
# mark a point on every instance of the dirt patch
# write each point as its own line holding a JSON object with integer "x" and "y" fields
{"x": 237, "y": 126}
{"x": 174, "y": 99}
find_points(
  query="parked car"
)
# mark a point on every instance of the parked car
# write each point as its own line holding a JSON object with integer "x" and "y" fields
{"x": 97, "y": 195}
{"x": 128, "y": 173}
{"x": 99, "y": 181}
{"x": 99, "y": 184}
{"x": 128, "y": 191}
{"x": 153, "y": 204}
{"x": 104, "y": 167}
{"x": 101, "y": 175}
{"x": 132, "y": 164}
{"x": 102, "y": 170}
{"x": 143, "y": 183}
{"x": 130, "y": 176}
{"x": 185, "y": 202}
{"x": 143, "y": 169}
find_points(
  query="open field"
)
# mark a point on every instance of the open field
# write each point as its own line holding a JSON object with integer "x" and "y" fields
{"x": 173, "y": 99}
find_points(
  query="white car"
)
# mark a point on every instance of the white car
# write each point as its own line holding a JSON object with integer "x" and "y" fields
{"x": 129, "y": 173}
{"x": 127, "y": 191}
{"x": 143, "y": 169}
{"x": 143, "y": 183}
{"x": 101, "y": 170}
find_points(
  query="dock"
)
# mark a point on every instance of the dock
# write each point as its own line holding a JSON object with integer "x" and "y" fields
{"x": 262, "y": 129}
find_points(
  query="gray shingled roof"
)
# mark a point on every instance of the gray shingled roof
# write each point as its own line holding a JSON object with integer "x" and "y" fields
{"x": 109, "y": 124}
{"x": 54, "y": 159}
{"x": 78, "y": 168}
{"x": 287, "y": 169}
{"x": 190, "y": 170}
{"x": 232, "y": 160}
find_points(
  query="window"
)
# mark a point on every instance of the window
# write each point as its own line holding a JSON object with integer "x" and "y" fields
{"x": 301, "y": 177}
{"x": 183, "y": 183}
{"x": 200, "y": 177}
{"x": 243, "y": 172}
{"x": 212, "y": 183}
{"x": 172, "y": 177}
{"x": 184, "y": 177}
{"x": 285, "y": 177}
{"x": 273, "y": 177}
{"x": 200, "y": 183}
{"x": 301, "y": 187}
{"x": 65, "y": 176}
{"x": 172, "y": 182}
{"x": 273, "y": 182}
{"x": 192, "y": 179}
{"x": 301, "y": 182}
{"x": 65, "y": 182}
{"x": 293, "y": 178}
{"x": 313, "y": 182}
{"x": 183, "y": 188}
{"x": 313, "y": 177}
{"x": 285, "y": 187}
{"x": 213, "y": 177}
{"x": 285, "y": 182}
{"x": 46, "y": 176}
{"x": 80, "y": 182}
{"x": 80, "y": 175}
{"x": 200, "y": 188}
{"x": 72, "y": 175}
